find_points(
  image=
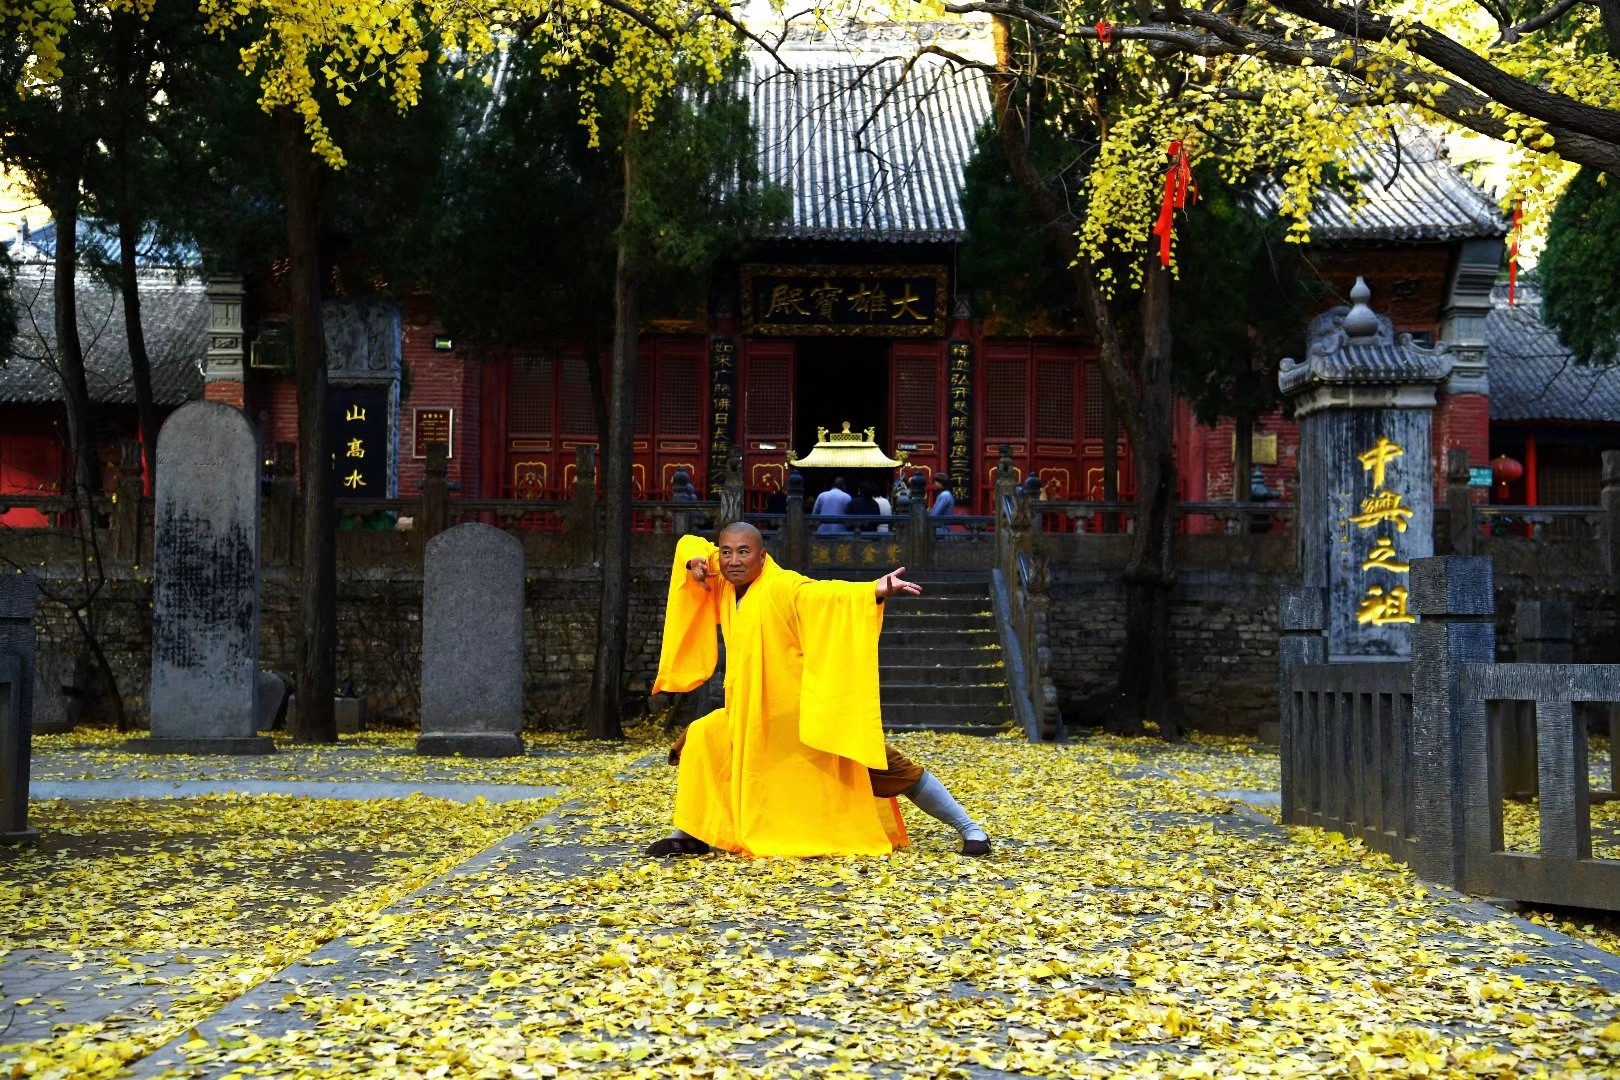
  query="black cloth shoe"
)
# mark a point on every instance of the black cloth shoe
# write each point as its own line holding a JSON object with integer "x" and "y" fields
{"x": 678, "y": 845}
{"x": 975, "y": 849}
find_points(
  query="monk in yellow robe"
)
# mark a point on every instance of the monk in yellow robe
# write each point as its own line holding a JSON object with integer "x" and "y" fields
{"x": 795, "y": 763}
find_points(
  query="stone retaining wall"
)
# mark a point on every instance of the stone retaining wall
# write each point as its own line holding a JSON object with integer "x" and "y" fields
{"x": 380, "y": 639}
{"x": 1225, "y": 625}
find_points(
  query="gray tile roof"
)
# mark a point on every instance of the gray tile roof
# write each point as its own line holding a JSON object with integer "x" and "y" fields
{"x": 877, "y": 152}
{"x": 174, "y": 317}
{"x": 870, "y": 152}
{"x": 1415, "y": 193}
{"x": 1533, "y": 377}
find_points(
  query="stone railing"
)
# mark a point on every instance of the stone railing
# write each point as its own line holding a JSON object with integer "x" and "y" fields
{"x": 1020, "y": 590}
{"x": 1417, "y": 757}
{"x": 1465, "y": 527}
{"x": 1195, "y": 518}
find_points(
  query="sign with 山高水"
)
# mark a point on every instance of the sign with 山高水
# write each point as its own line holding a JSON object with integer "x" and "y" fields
{"x": 360, "y": 440}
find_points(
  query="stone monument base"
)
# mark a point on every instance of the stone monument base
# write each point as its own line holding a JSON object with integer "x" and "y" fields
{"x": 469, "y": 744}
{"x": 20, "y": 837}
{"x": 252, "y": 744}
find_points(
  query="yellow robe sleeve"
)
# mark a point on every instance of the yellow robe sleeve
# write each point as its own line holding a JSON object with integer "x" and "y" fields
{"x": 689, "y": 650}
{"x": 838, "y": 625}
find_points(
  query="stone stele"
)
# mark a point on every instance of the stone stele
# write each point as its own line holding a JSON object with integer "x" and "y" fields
{"x": 205, "y": 608}
{"x": 472, "y": 643}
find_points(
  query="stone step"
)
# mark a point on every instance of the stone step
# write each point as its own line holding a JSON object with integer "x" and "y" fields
{"x": 967, "y": 638}
{"x": 906, "y": 611}
{"x": 946, "y": 717}
{"x": 910, "y": 621}
{"x": 893, "y": 693}
{"x": 937, "y": 605}
{"x": 902, "y": 653}
{"x": 953, "y": 729}
{"x": 945, "y": 674}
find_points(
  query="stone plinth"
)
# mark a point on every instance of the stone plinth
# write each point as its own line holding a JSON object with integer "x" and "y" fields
{"x": 19, "y": 598}
{"x": 205, "y": 609}
{"x": 472, "y": 643}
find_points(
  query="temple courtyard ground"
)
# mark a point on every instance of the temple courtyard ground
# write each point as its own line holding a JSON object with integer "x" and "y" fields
{"x": 303, "y": 914}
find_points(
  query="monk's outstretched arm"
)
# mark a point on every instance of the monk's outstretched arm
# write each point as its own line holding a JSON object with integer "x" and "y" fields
{"x": 689, "y": 651}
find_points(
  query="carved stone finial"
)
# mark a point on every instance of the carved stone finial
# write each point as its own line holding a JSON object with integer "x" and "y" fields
{"x": 1361, "y": 321}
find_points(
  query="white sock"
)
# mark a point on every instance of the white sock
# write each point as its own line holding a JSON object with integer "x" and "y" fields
{"x": 935, "y": 800}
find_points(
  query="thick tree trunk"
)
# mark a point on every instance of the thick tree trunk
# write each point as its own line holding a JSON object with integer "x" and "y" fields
{"x": 1143, "y": 403}
{"x": 129, "y": 237}
{"x": 317, "y": 616}
{"x": 140, "y": 366}
{"x": 607, "y": 681}
{"x": 1146, "y": 688}
{"x": 82, "y": 481}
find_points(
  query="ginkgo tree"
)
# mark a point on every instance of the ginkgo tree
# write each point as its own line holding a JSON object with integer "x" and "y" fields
{"x": 312, "y": 56}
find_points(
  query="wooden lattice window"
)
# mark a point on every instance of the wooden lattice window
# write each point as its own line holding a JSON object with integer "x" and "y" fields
{"x": 680, "y": 395}
{"x": 769, "y": 412}
{"x": 1054, "y": 400}
{"x": 644, "y": 394}
{"x": 1006, "y": 398}
{"x": 529, "y": 400}
{"x": 916, "y": 397}
{"x": 1095, "y": 400}
{"x": 578, "y": 408}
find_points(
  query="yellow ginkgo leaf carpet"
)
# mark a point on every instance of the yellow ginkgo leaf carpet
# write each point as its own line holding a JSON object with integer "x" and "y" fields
{"x": 1126, "y": 924}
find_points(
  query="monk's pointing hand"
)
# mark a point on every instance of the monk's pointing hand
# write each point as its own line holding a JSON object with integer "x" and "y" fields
{"x": 891, "y": 583}
{"x": 698, "y": 571}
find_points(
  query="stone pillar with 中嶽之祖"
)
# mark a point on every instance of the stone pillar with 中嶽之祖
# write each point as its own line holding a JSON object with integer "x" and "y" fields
{"x": 1365, "y": 398}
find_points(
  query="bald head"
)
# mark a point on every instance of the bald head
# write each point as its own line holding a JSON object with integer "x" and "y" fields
{"x": 739, "y": 532}
{"x": 742, "y": 553}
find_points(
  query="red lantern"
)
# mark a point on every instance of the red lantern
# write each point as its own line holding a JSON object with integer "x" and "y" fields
{"x": 1505, "y": 469}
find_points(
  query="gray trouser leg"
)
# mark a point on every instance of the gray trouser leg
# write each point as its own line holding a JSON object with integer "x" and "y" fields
{"x": 935, "y": 800}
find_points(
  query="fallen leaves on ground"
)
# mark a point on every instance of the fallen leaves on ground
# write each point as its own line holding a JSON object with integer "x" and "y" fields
{"x": 1127, "y": 925}
{"x": 244, "y": 885}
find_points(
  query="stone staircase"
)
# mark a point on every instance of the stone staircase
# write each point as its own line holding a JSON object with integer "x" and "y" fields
{"x": 940, "y": 657}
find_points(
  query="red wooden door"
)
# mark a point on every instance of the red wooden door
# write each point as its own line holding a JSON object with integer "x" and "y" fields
{"x": 674, "y": 404}
{"x": 767, "y": 417}
{"x": 917, "y": 406}
{"x": 1045, "y": 402}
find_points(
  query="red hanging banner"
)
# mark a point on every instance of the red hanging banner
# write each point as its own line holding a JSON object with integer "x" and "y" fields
{"x": 1513, "y": 249}
{"x": 1179, "y": 190}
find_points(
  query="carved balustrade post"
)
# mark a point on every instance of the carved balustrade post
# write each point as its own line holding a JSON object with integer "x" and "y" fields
{"x": 920, "y": 527}
{"x": 435, "y": 492}
{"x": 1459, "y": 503}
{"x": 796, "y": 538}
